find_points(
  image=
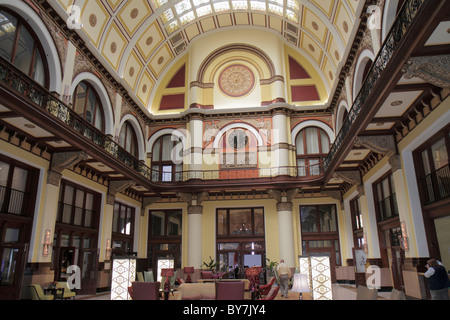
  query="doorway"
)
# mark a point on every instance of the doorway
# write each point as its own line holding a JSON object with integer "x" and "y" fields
{"x": 235, "y": 257}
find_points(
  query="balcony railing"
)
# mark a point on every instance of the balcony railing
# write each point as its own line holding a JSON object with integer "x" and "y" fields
{"x": 13, "y": 201}
{"x": 436, "y": 185}
{"x": 405, "y": 17}
{"x": 27, "y": 87}
{"x": 292, "y": 173}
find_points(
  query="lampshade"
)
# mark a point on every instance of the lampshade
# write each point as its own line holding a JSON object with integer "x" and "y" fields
{"x": 188, "y": 269}
{"x": 167, "y": 272}
{"x": 300, "y": 283}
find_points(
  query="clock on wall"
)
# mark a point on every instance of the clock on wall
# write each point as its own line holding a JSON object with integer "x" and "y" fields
{"x": 236, "y": 80}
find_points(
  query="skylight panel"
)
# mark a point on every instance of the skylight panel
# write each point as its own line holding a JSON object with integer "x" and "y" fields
{"x": 221, "y": 6}
{"x": 239, "y": 5}
{"x": 188, "y": 17}
{"x": 159, "y": 3}
{"x": 293, "y": 5}
{"x": 203, "y": 11}
{"x": 291, "y": 15}
{"x": 258, "y": 5}
{"x": 167, "y": 15}
{"x": 171, "y": 27}
{"x": 198, "y": 3}
{"x": 183, "y": 6}
{"x": 275, "y": 9}
{"x": 278, "y": 2}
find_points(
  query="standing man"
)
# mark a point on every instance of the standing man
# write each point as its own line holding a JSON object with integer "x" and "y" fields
{"x": 437, "y": 280}
{"x": 285, "y": 275}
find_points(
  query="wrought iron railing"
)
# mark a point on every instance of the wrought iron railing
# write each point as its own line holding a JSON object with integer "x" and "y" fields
{"x": 405, "y": 17}
{"x": 436, "y": 185}
{"x": 25, "y": 86}
{"x": 13, "y": 201}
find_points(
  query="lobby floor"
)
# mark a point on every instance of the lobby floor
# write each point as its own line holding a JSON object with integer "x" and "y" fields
{"x": 340, "y": 292}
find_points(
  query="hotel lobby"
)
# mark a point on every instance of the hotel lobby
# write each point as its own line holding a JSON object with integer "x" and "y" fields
{"x": 170, "y": 138}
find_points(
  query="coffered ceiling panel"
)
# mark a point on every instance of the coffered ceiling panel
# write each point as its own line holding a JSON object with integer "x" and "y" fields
{"x": 146, "y": 36}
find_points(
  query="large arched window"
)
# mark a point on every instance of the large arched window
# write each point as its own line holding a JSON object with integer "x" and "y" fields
{"x": 313, "y": 145}
{"x": 20, "y": 46}
{"x": 163, "y": 167}
{"x": 128, "y": 140}
{"x": 87, "y": 104}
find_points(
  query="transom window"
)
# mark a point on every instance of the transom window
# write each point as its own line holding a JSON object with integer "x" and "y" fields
{"x": 122, "y": 228}
{"x": 20, "y": 46}
{"x": 87, "y": 104}
{"x": 312, "y": 146}
{"x": 240, "y": 222}
{"x": 78, "y": 206}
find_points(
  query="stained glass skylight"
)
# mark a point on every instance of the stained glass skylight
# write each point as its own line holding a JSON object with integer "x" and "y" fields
{"x": 185, "y": 11}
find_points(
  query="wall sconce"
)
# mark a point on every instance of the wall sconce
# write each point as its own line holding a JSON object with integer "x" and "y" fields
{"x": 300, "y": 284}
{"x": 108, "y": 249}
{"x": 404, "y": 241}
{"x": 47, "y": 243}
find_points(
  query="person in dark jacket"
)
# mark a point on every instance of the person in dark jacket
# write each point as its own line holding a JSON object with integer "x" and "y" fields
{"x": 437, "y": 280}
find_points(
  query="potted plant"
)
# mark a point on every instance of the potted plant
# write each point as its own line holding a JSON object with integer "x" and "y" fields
{"x": 270, "y": 267}
{"x": 211, "y": 265}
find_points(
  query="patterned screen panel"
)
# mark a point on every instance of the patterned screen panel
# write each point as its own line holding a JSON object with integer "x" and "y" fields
{"x": 164, "y": 264}
{"x": 123, "y": 274}
{"x": 318, "y": 272}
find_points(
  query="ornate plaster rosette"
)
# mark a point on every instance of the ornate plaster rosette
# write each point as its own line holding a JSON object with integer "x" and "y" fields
{"x": 236, "y": 80}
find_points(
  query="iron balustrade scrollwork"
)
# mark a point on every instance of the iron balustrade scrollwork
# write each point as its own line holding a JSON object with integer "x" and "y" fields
{"x": 27, "y": 87}
{"x": 404, "y": 19}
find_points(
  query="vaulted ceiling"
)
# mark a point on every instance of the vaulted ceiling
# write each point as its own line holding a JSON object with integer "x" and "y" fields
{"x": 139, "y": 40}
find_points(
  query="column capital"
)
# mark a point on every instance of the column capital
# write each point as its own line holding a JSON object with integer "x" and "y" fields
{"x": 395, "y": 162}
{"x": 384, "y": 144}
{"x": 195, "y": 209}
{"x": 284, "y": 206}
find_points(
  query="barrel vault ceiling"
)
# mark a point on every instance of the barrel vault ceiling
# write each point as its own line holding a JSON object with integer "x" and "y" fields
{"x": 139, "y": 40}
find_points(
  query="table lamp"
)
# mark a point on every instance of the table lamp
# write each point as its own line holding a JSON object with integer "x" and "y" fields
{"x": 300, "y": 284}
{"x": 167, "y": 273}
{"x": 188, "y": 271}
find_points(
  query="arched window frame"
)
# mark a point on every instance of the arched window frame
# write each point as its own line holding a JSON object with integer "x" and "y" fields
{"x": 165, "y": 170}
{"x": 37, "y": 48}
{"x": 129, "y": 144}
{"x": 309, "y": 163}
{"x": 97, "y": 104}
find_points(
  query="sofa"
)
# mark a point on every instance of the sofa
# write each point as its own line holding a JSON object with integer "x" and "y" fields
{"x": 205, "y": 290}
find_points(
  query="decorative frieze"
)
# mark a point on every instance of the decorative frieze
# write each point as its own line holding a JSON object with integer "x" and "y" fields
{"x": 432, "y": 69}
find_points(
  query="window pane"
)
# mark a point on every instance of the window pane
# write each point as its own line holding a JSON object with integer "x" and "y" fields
{"x": 325, "y": 142}
{"x": 240, "y": 221}
{"x": 98, "y": 118}
{"x": 301, "y": 167}
{"x": 174, "y": 223}
{"x": 38, "y": 69}
{"x": 156, "y": 150}
{"x": 4, "y": 170}
{"x": 309, "y": 218}
{"x": 312, "y": 141}
{"x": 90, "y": 106}
{"x": 440, "y": 155}
{"x": 8, "y": 26}
{"x": 80, "y": 99}
{"x": 222, "y": 222}
{"x": 314, "y": 168}
{"x": 157, "y": 223}
{"x": 24, "y": 51}
{"x": 115, "y": 227}
{"x": 299, "y": 144}
{"x": 167, "y": 148}
{"x": 259, "y": 221}
{"x": 19, "y": 181}
{"x": 426, "y": 162}
{"x": 327, "y": 218}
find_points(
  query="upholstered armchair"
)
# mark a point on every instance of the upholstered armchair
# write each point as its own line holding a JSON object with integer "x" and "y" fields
{"x": 63, "y": 291}
{"x": 38, "y": 294}
{"x": 272, "y": 293}
{"x": 265, "y": 289}
{"x": 233, "y": 290}
{"x": 145, "y": 290}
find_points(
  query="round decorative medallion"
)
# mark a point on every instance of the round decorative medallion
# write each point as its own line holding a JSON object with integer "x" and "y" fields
{"x": 238, "y": 139}
{"x": 236, "y": 80}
